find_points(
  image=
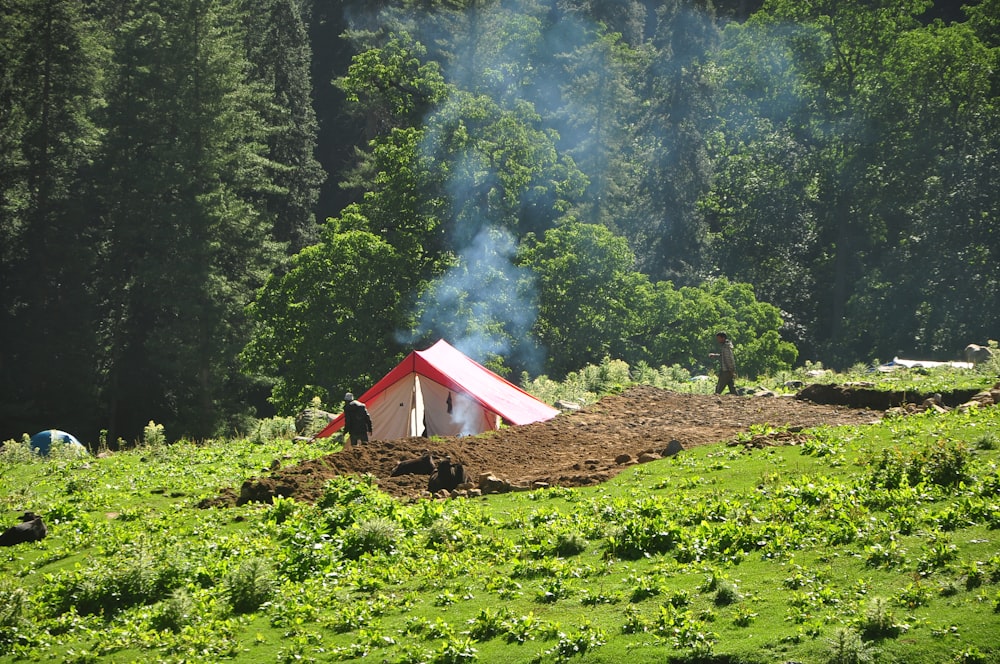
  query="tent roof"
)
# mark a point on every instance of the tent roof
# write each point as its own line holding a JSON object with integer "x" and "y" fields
{"x": 445, "y": 364}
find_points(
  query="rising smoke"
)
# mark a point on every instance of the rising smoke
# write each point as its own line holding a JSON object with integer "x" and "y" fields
{"x": 514, "y": 52}
{"x": 486, "y": 305}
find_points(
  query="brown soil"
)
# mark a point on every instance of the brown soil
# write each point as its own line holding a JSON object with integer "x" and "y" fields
{"x": 573, "y": 449}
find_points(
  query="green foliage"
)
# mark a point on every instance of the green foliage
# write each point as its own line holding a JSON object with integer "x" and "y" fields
{"x": 570, "y": 544}
{"x": 943, "y": 462}
{"x": 847, "y": 647}
{"x": 577, "y": 644}
{"x": 588, "y": 294}
{"x": 879, "y": 622}
{"x": 16, "y": 452}
{"x": 121, "y": 584}
{"x": 646, "y": 530}
{"x": 176, "y": 612}
{"x": 250, "y": 585}
{"x": 372, "y": 536}
{"x": 328, "y": 317}
{"x": 153, "y": 436}
{"x": 587, "y": 287}
{"x": 13, "y": 616}
{"x": 726, "y": 593}
{"x": 51, "y": 97}
{"x": 272, "y": 428}
{"x": 373, "y": 81}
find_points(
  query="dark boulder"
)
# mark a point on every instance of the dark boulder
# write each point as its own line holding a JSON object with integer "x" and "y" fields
{"x": 31, "y": 529}
{"x": 447, "y": 476}
{"x": 424, "y": 465}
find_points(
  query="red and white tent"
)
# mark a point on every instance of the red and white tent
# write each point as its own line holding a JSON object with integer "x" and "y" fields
{"x": 441, "y": 392}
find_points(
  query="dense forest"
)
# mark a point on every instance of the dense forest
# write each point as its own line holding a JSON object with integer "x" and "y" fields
{"x": 212, "y": 210}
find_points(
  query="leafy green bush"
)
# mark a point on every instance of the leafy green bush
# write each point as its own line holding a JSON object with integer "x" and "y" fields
{"x": 644, "y": 532}
{"x": 443, "y": 534}
{"x": 264, "y": 431}
{"x": 576, "y": 644}
{"x": 16, "y": 452}
{"x": 13, "y": 618}
{"x": 376, "y": 535}
{"x": 944, "y": 463}
{"x": 250, "y": 585}
{"x": 140, "y": 579}
{"x": 176, "y": 612}
{"x": 489, "y": 623}
{"x": 988, "y": 440}
{"x": 726, "y": 593}
{"x": 879, "y": 622}
{"x": 847, "y": 647}
{"x": 153, "y": 435}
{"x": 570, "y": 544}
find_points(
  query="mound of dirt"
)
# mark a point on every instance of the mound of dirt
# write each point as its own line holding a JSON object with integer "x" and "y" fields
{"x": 574, "y": 449}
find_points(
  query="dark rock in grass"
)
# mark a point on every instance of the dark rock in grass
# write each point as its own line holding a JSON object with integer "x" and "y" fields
{"x": 31, "y": 529}
{"x": 672, "y": 448}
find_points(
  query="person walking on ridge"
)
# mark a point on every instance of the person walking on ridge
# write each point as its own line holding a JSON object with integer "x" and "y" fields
{"x": 727, "y": 364}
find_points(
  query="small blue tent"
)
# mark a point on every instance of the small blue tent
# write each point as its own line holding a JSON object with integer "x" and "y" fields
{"x": 43, "y": 440}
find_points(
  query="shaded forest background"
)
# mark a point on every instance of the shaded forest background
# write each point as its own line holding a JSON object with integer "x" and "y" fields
{"x": 212, "y": 210}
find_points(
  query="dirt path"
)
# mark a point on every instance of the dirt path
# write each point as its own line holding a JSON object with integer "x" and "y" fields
{"x": 573, "y": 449}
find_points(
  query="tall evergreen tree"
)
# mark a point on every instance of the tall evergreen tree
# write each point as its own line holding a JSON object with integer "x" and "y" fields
{"x": 185, "y": 248}
{"x": 339, "y": 135}
{"x": 762, "y": 206}
{"x": 601, "y": 109}
{"x": 48, "y": 91}
{"x": 935, "y": 105}
{"x": 838, "y": 49}
{"x": 627, "y": 18}
{"x": 277, "y": 47}
{"x": 670, "y": 235}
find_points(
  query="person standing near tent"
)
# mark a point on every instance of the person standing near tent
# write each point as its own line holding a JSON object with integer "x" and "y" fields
{"x": 357, "y": 420}
{"x": 727, "y": 364}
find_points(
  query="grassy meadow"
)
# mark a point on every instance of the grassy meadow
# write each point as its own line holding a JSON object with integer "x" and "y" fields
{"x": 871, "y": 544}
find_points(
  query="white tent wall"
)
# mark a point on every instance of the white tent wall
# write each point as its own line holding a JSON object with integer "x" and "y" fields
{"x": 466, "y": 416}
{"x": 413, "y": 403}
{"x": 395, "y": 412}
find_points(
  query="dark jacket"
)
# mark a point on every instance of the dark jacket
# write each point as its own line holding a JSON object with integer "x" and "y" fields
{"x": 356, "y": 418}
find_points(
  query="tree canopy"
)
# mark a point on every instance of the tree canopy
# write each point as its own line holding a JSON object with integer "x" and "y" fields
{"x": 215, "y": 209}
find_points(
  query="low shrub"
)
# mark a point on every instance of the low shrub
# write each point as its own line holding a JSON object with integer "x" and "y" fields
{"x": 13, "y": 600}
{"x": 377, "y": 535}
{"x": 177, "y": 611}
{"x": 726, "y": 593}
{"x": 847, "y": 647}
{"x": 250, "y": 585}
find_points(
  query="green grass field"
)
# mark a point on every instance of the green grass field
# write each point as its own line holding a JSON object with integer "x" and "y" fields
{"x": 877, "y": 544}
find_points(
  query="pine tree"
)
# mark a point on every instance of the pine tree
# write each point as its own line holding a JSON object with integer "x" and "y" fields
{"x": 277, "y": 46}
{"x": 185, "y": 247}
{"x": 48, "y": 90}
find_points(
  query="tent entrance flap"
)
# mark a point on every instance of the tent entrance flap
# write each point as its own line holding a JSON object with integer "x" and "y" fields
{"x": 419, "y": 406}
{"x": 416, "y": 409}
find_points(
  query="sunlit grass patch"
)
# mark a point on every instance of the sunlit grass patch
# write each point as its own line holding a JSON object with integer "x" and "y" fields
{"x": 859, "y": 542}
